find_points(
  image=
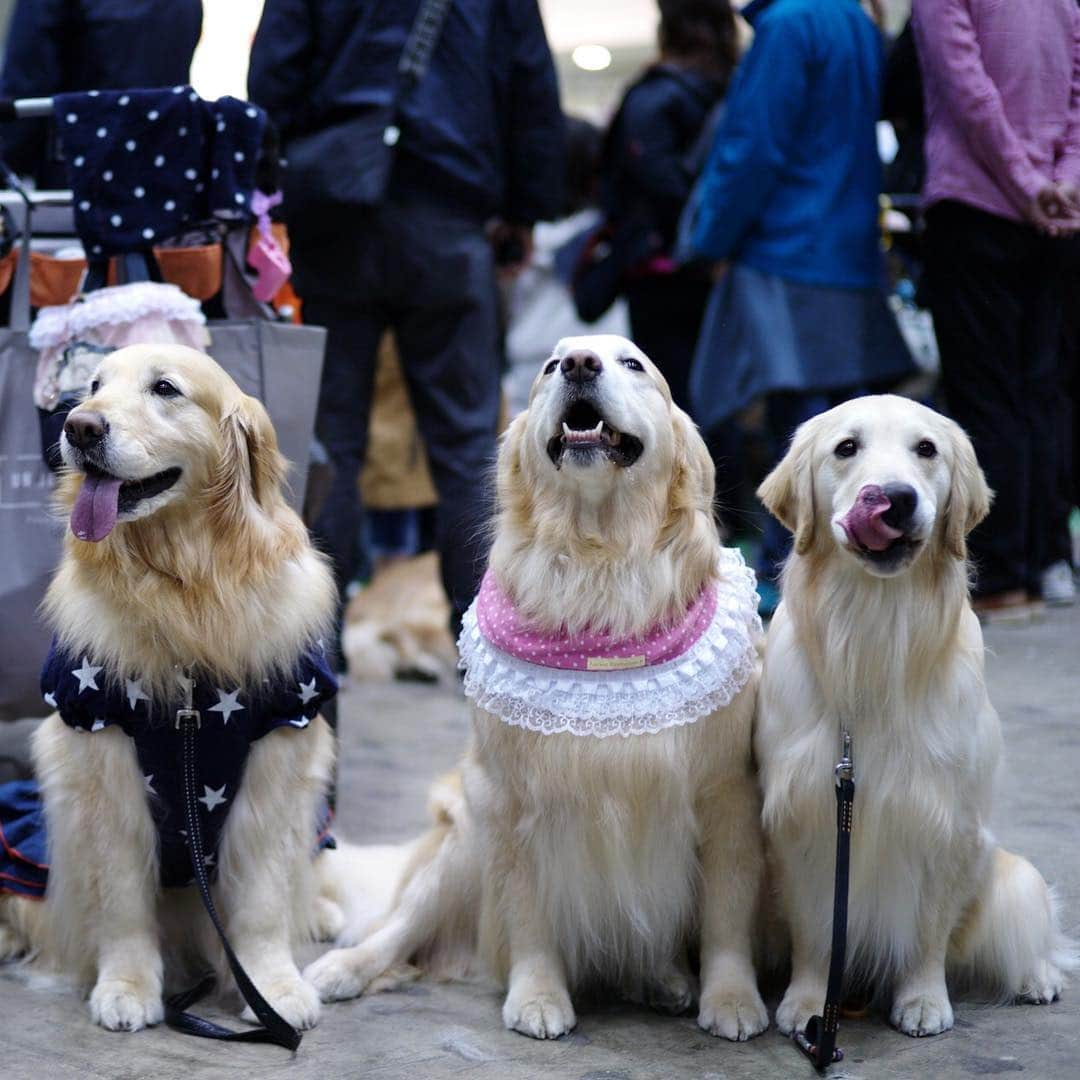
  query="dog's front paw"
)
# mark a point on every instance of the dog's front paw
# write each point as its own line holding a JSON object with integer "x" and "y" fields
{"x": 672, "y": 993}
{"x": 541, "y": 1013}
{"x": 733, "y": 1012}
{"x": 295, "y": 1000}
{"x": 1042, "y": 987}
{"x": 801, "y": 1001}
{"x": 347, "y": 973}
{"x": 126, "y": 1004}
{"x": 927, "y": 1013}
{"x": 329, "y": 919}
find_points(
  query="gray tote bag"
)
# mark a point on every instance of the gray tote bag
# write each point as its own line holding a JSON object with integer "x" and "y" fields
{"x": 30, "y": 532}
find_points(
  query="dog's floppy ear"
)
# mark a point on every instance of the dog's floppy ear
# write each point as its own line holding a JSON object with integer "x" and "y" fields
{"x": 969, "y": 494}
{"x": 250, "y": 468}
{"x": 788, "y": 491}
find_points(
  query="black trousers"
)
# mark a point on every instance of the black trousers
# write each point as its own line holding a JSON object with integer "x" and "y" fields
{"x": 996, "y": 292}
{"x": 665, "y": 317}
{"x": 428, "y": 274}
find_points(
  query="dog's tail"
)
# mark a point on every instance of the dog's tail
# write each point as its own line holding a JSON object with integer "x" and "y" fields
{"x": 415, "y": 904}
{"x": 1011, "y": 945}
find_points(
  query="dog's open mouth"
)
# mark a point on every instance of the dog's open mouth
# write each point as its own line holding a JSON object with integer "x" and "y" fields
{"x": 891, "y": 557}
{"x": 584, "y": 432}
{"x": 103, "y": 497}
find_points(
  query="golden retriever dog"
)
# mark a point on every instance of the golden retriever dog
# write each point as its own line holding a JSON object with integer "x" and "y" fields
{"x": 875, "y": 635}
{"x": 397, "y": 626}
{"x": 607, "y": 816}
{"x": 182, "y": 559}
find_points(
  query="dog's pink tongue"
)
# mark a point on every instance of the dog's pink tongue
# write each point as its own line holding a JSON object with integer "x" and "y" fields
{"x": 94, "y": 513}
{"x": 863, "y": 522}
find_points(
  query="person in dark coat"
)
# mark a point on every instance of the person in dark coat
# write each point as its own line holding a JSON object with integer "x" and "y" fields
{"x": 648, "y": 173}
{"x": 59, "y": 46}
{"x": 480, "y": 154}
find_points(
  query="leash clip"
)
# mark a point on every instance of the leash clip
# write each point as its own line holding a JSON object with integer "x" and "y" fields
{"x": 845, "y": 767}
{"x": 188, "y": 712}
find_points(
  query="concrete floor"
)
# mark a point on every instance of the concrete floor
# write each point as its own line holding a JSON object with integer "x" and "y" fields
{"x": 396, "y": 738}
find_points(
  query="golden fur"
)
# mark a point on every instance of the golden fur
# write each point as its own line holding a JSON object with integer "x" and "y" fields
{"x": 894, "y": 653}
{"x": 565, "y": 861}
{"x": 216, "y": 574}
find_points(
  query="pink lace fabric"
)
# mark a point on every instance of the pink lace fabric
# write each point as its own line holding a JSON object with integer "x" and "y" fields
{"x": 640, "y": 693}
{"x": 590, "y": 650}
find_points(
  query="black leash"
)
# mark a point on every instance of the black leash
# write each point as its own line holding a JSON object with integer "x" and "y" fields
{"x": 818, "y": 1042}
{"x": 275, "y": 1028}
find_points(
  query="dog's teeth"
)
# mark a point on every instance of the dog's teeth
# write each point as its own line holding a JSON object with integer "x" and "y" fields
{"x": 614, "y": 437}
{"x": 599, "y": 429}
{"x": 567, "y": 433}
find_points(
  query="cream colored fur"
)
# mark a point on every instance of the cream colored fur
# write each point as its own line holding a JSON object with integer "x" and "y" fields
{"x": 567, "y": 861}
{"x": 215, "y": 574}
{"x": 897, "y": 656}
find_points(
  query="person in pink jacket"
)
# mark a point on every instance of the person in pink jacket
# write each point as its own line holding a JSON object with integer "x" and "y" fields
{"x": 1001, "y": 83}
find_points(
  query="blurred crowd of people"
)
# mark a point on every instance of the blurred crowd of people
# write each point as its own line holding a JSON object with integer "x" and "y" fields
{"x": 735, "y": 191}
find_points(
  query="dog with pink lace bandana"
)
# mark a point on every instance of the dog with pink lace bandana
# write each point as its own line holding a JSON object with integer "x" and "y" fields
{"x": 605, "y": 823}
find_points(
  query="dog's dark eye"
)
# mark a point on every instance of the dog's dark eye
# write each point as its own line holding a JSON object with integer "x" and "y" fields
{"x": 550, "y": 366}
{"x": 631, "y": 363}
{"x": 164, "y": 388}
{"x": 926, "y": 449}
{"x": 95, "y": 386}
{"x": 847, "y": 448}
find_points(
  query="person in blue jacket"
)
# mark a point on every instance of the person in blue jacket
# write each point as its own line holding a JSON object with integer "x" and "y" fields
{"x": 58, "y": 46}
{"x": 788, "y": 201}
{"x": 480, "y": 156}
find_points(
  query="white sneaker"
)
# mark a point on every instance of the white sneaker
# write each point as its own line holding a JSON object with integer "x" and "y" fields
{"x": 1058, "y": 586}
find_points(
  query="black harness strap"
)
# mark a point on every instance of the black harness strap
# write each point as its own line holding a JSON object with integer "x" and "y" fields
{"x": 275, "y": 1028}
{"x": 818, "y": 1042}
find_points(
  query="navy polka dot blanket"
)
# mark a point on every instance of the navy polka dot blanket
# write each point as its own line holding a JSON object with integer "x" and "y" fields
{"x": 148, "y": 164}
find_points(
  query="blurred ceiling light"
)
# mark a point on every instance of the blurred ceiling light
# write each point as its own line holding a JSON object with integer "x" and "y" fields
{"x": 591, "y": 57}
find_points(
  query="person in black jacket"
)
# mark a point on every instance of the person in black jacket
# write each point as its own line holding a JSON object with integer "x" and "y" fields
{"x": 479, "y": 156}
{"x": 57, "y": 46}
{"x": 649, "y": 171}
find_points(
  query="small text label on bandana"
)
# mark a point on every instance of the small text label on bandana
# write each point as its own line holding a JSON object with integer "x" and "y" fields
{"x": 614, "y": 663}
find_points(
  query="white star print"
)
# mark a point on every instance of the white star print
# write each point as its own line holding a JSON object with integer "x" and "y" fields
{"x": 227, "y": 704}
{"x": 149, "y": 786}
{"x": 307, "y": 691}
{"x": 208, "y": 860}
{"x": 50, "y": 699}
{"x": 302, "y": 722}
{"x": 134, "y": 692}
{"x": 85, "y": 675}
{"x": 97, "y": 725}
{"x": 212, "y": 798}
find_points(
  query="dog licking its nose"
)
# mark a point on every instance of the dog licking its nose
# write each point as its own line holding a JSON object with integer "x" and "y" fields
{"x": 581, "y": 366}
{"x": 865, "y": 523}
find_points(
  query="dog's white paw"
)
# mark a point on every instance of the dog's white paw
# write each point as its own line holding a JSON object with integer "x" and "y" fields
{"x": 347, "y": 973}
{"x": 126, "y": 1004}
{"x": 672, "y": 993}
{"x": 12, "y": 944}
{"x": 1043, "y": 986}
{"x": 733, "y": 1012}
{"x": 541, "y": 1013}
{"x": 801, "y": 1001}
{"x": 329, "y": 919}
{"x": 295, "y": 1000}
{"x": 927, "y": 1013}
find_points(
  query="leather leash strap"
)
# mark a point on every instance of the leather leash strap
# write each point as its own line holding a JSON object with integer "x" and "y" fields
{"x": 818, "y": 1042}
{"x": 275, "y": 1029}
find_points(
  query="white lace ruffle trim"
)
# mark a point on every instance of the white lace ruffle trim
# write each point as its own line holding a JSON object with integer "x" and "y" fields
{"x": 640, "y": 701}
{"x": 118, "y": 304}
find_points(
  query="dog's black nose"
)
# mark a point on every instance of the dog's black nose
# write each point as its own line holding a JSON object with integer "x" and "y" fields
{"x": 581, "y": 366}
{"x": 85, "y": 429}
{"x": 903, "y": 499}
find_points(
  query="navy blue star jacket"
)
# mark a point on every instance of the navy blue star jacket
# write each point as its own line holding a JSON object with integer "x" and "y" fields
{"x": 89, "y": 698}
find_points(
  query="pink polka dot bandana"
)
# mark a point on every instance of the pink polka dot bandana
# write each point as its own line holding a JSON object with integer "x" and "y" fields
{"x": 589, "y": 650}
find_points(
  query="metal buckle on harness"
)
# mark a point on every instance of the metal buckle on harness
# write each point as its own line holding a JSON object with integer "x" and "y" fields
{"x": 188, "y": 714}
{"x": 845, "y": 767}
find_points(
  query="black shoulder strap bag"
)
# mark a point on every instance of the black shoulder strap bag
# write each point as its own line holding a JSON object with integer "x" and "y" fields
{"x": 314, "y": 180}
